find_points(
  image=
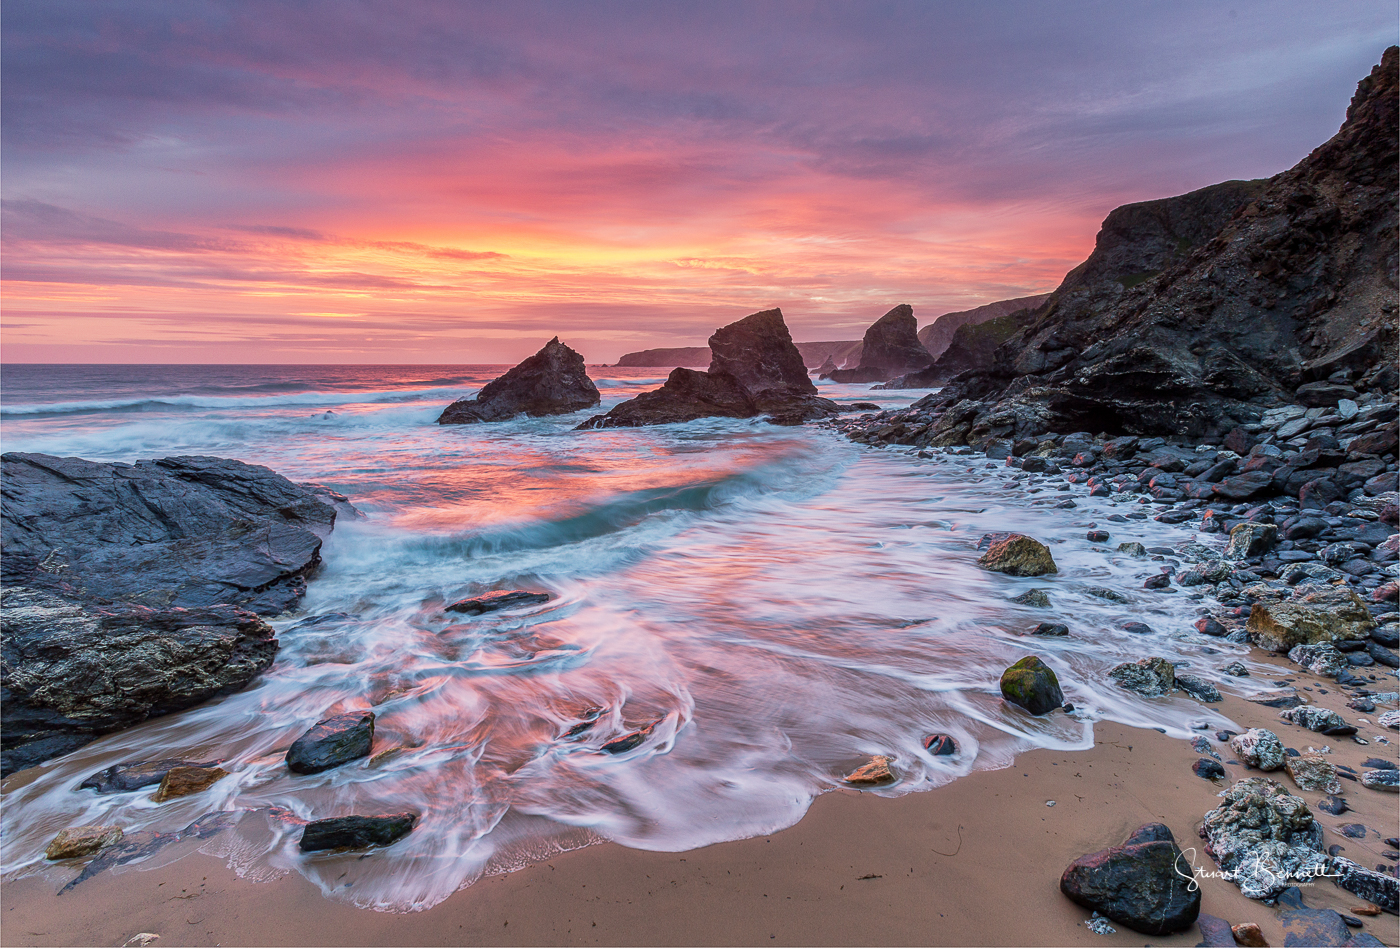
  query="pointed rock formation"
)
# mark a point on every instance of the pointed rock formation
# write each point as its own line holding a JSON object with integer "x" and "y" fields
{"x": 756, "y": 370}
{"x": 937, "y": 336}
{"x": 891, "y": 348}
{"x": 553, "y": 381}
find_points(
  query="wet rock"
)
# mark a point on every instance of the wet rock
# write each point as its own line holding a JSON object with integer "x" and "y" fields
{"x": 1207, "y": 769}
{"x": 1160, "y": 581}
{"x": 1097, "y": 536}
{"x": 1033, "y": 597}
{"x": 1248, "y": 935}
{"x": 1051, "y": 628}
{"x": 1333, "y": 804}
{"x": 1148, "y": 677}
{"x": 1244, "y": 486}
{"x": 1251, "y": 539}
{"x": 1321, "y": 659}
{"x": 132, "y": 846}
{"x": 1313, "y": 772}
{"x": 336, "y": 740}
{"x": 356, "y": 832}
{"x": 1282, "y": 698}
{"x": 940, "y": 745}
{"x": 1133, "y": 549}
{"x": 874, "y": 772}
{"x": 1031, "y": 684}
{"x": 553, "y": 381}
{"x": 123, "y": 778}
{"x": 1317, "y": 719}
{"x": 82, "y": 841}
{"x": 1234, "y": 670}
{"x": 1210, "y": 625}
{"x": 1018, "y": 555}
{"x": 496, "y": 601}
{"x": 1380, "y": 889}
{"x": 73, "y": 672}
{"x": 1215, "y": 932}
{"x": 1198, "y": 688}
{"x": 1260, "y": 748}
{"x": 1264, "y": 836}
{"x": 1136, "y": 884}
{"x": 630, "y": 741}
{"x": 1136, "y": 628}
{"x": 183, "y": 781}
{"x": 1318, "y": 614}
{"x": 1208, "y": 571}
{"x": 1387, "y": 780}
{"x": 1382, "y": 656}
{"x": 1107, "y": 594}
{"x": 686, "y": 396}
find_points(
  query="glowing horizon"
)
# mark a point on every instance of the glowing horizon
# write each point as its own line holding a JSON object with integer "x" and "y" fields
{"x": 435, "y": 183}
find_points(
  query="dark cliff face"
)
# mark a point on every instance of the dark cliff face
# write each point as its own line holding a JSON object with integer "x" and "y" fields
{"x": 890, "y": 348}
{"x": 937, "y": 336}
{"x": 1195, "y": 313}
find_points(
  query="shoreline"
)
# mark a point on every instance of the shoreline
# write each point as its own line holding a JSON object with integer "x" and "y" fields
{"x": 976, "y": 861}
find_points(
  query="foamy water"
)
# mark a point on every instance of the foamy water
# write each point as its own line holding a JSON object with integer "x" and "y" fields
{"x": 779, "y": 603}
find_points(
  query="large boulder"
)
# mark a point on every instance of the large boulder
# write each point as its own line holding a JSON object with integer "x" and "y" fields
{"x": 1264, "y": 837}
{"x": 553, "y": 381}
{"x": 1259, "y": 747}
{"x": 336, "y": 740}
{"x": 1018, "y": 555}
{"x": 758, "y": 352}
{"x": 1033, "y": 685}
{"x": 356, "y": 832}
{"x": 1148, "y": 677}
{"x": 188, "y": 532}
{"x": 71, "y": 673}
{"x": 1314, "y": 614}
{"x": 1139, "y": 884}
{"x": 891, "y": 348}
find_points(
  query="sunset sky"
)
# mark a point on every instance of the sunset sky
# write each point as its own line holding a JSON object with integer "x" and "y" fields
{"x": 457, "y": 182}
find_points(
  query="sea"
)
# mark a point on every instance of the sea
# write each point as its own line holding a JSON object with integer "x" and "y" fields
{"x": 776, "y": 604}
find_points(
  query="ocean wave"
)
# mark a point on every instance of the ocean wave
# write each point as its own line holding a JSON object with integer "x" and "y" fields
{"x": 317, "y": 399}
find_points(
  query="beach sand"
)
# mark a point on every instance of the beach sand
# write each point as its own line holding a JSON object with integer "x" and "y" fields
{"x": 976, "y": 862}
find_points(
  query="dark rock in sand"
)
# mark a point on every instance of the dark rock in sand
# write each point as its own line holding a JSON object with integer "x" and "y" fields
{"x": 185, "y": 532}
{"x": 1051, "y": 628}
{"x": 1378, "y": 888}
{"x": 627, "y": 742}
{"x": 1316, "y": 928}
{"x": 891, "y": 348}
{"x": 496, "y": 601}
{"x": 1018, "y": 555}
{"x": 940, "y": 745}
{"x": 1332, "y": 804}
{"x": 1215, "y": 932}
{"x": 333, "y": 741}
{"x": 1136, "y": 884}
{"x": 71, "y": 673}
{"x": 123, "y": 778}
{"x": 356, "y": 832}
{"x": 1032, "y": 685}
{"x": 553, "y": 381}
{"x": 1207, "y": 769}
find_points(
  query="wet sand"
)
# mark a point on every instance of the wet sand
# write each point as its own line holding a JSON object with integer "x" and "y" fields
{"x": 973, "y": 863}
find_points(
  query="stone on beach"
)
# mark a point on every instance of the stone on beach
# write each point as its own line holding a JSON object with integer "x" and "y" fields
{"x": 1136, "y": 884}
{"x": 940, "y": 745}
{"x": 496, "y": 601}
{"x": 333, "y": 741}
{"x": 1313, "y": 772}
{"x": 1317, "y": 719}
{"x": 123, "y": 778}
{"x": 1031, "y": 684}
{"x": 1264, "y": 836}
{"x": 356, "y": 832}
{"x": 1321, "y": 658}
{"x": 1387, "y": 780}
{"x": 1198, "y": 688}
{"x": 553, "y": 381}
{"x": 1380, "y": 889}
{"x": 1018, "y": 555}
{"x": 1251, "y": 539}
{"x": 1249, "y": 935}
{"x": 874, "y": 772}
{"x": 183, "y": 781}
{"x": 82, "y": 841}
{"x": 1259, "y": 747}
{"x": 1319, "y": 614}
{"x": 1148, "y": 677}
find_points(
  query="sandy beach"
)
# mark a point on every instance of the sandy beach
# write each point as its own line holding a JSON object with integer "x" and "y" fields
{"x": 976, "y": 862}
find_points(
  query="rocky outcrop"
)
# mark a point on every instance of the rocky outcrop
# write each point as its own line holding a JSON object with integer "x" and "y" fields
{"x": 890, "y": 348}
{"x": 937, "y": 336}
{"x": 1143, "y": 883}
{"x": 1314, "y": 614}
{"x": 186, "y": 532}
{"x": 1265, "y": 837}
{"x": 1195, "y": 314}
{"x": 756, "y": 370}
{"x": 973, "y": 348}
{"x": 498, "y": 600}
{"x": 71, "y": 673}
{"x": 1033, "y": 685}
{"x": 553, "y": 381}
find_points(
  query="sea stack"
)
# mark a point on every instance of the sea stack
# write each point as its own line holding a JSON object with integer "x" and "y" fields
{"x": 553, "y": 381}
{"x": 891, "y": 348}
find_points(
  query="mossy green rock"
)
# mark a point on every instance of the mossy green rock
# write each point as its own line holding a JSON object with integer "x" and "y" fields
{"x": 1018, "y": 555}
{"x": 1031, "y": 684}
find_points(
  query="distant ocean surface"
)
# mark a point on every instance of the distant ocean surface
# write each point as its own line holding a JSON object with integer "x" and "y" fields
{"x": 779, "y": 603}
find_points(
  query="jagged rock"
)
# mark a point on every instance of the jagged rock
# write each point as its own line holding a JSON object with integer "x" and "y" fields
{"x": 1380, "y": 889}
{"x": 891, "y": 347}
{"x": 82, "y": 841}
{"x": 553, "y": 381}
{"x": 71, "y": 673}
{"x": 940, "y": 745}
{"x": 1259, "y": 747}
{"x": 356, "y": 832}
{"x": 1018, "y": 555}
{"x": 1051, "y": 628}
{"x": 1136, "y": 884}
{"x": 1207, "y": 769}
{"x": 1148, "y": 677}
{"x": 1321, "y": 659}
{"x": 873, "y": 773}
{"x": 758, "y": 352}
{"x": 1251, "y": 539}
{"x": 124, "y": 778}
{"x": 1198, "y": 688}
{"x": 185, "y": 532}
{"x": 1313, "y": 772}
{"x": 1280, "y": 698}
{"x": 1206, "y": 571}
{"x": 1235, "y": 670}
{"x": 333, "y": 741}
{"x": 183, "y": 781}
{"x": 498, "y": 600}
{"x": 1387, "y": 780}
{"x": 1390, "y": 719}
{"x": 1032, "y": 685}
{"x": 1317, "y": 719}
{"x": 1318, "y": 614}
{"x": 1033, "y": 597}
{"x": 1215, "y": 932}
{"x": 1264, "y": 836}
{"x": 938, "y": 335}
{"x": 686, "y": 396}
